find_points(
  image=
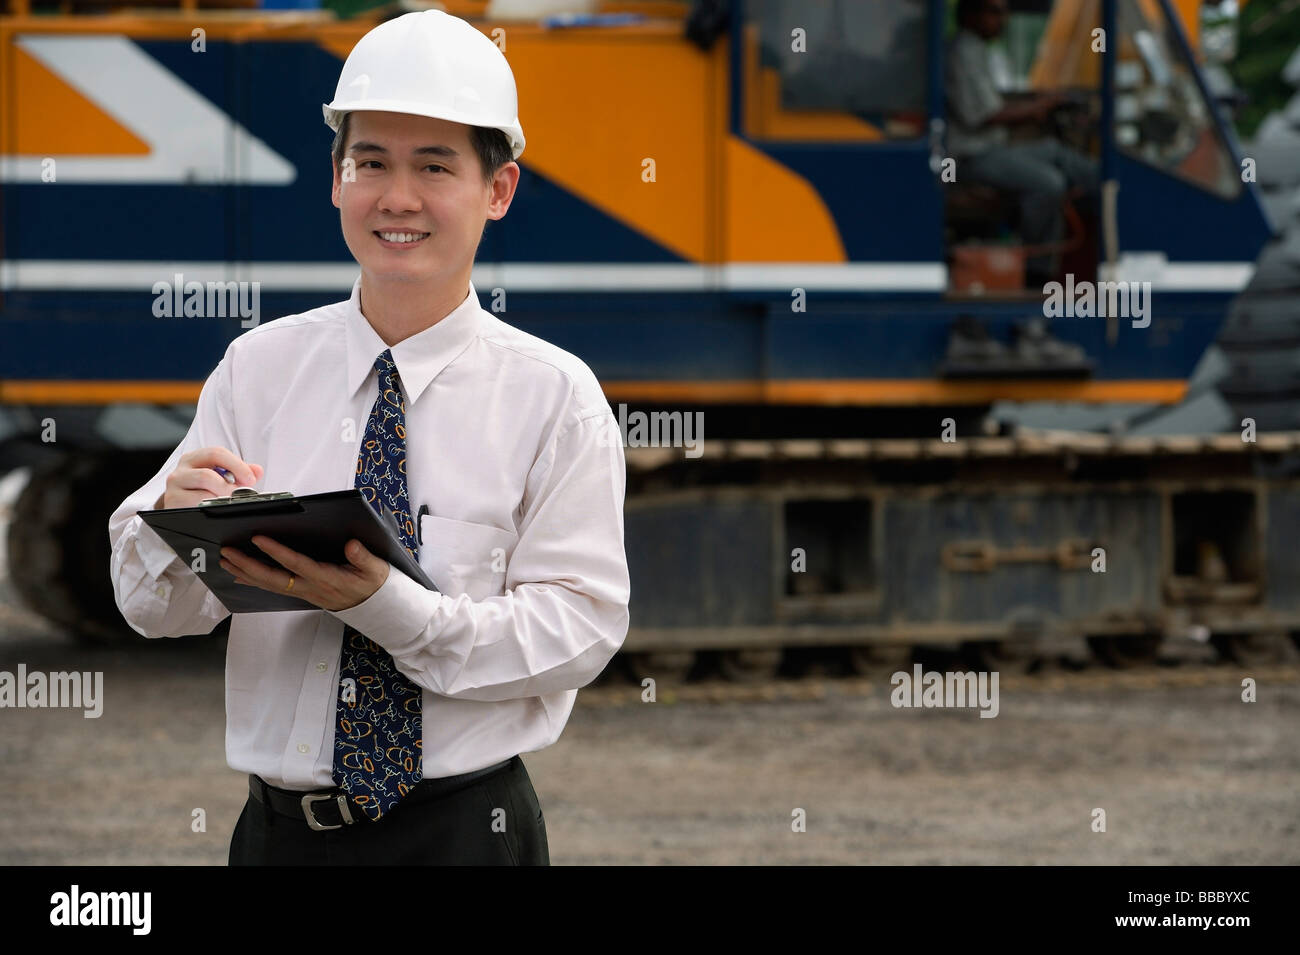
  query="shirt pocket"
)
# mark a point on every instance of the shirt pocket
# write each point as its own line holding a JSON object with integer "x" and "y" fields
{"x": 465, "y": 558}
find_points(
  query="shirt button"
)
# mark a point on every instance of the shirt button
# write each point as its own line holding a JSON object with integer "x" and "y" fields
{"x": 304, "y": 748}
{"x": 322, "y": 667}
{"x": 160, "y": 591}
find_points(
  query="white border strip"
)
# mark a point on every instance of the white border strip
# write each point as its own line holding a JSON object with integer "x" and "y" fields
{"x": 77, "y": 275}
{"x": 1166, "y": 276}
{"x": 106, "y": 275}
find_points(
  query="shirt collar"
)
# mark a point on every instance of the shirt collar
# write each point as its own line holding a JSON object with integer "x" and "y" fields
{"x": 420, "y": 357}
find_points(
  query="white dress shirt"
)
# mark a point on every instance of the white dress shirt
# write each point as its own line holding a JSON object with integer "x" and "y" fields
{"x": 508, "y": 444}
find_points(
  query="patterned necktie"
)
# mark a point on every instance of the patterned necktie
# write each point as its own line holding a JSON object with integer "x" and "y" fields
{"x": 377, "y": 730}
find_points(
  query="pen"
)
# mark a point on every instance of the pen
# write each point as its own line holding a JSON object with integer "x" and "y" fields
{"x": 230, "y": 478}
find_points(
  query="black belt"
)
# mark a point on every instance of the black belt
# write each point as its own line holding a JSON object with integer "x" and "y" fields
{"x": 332, "y": 808}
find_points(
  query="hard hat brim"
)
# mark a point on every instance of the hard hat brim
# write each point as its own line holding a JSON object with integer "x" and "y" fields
{"x": 333, "y": 113}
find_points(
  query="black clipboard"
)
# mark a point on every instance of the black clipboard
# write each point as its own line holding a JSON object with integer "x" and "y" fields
{"x": 318, "y": 525}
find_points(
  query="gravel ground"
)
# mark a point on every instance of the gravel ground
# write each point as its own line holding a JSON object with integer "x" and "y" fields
{"x": 1187, "y": 775}
{"x": 1186, "y": 772}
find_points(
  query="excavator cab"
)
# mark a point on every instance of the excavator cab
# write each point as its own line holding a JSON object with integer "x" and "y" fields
{"x": 856, "y": 96}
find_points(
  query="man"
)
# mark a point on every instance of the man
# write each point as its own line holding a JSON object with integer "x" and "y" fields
{"x": 1041, "y": 171}
{"x": 387, "y": 726}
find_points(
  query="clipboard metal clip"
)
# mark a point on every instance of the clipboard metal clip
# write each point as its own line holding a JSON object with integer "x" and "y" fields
{"x": 245, "y": 495}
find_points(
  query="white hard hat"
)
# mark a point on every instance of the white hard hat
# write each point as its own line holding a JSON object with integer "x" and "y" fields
{"x": 431, "y": 64}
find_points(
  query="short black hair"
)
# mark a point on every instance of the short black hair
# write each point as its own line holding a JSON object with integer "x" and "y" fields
{"x": 969, "y": 8}
{"x": 491, "y": 145}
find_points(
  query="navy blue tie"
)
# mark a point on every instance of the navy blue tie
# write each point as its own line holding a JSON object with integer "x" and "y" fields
{"x": 378, "y": 731}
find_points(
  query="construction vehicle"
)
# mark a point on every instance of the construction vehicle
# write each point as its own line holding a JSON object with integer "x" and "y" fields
{"x": 746, "y": 227}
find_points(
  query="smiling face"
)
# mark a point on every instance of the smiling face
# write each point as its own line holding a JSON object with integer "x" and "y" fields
{"x": 418, "y": 205}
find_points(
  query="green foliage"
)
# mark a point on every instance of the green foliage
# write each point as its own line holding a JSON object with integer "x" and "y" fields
{"x": 1269, "y": 35}
{"x": 346, "y": 9}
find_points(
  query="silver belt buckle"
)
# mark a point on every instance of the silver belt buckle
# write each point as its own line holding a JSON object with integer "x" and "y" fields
{"x": 312, "y": 821}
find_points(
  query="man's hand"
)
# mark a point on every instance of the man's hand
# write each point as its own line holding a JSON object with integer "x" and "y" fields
{"x": 1032, "y": 109}
{"x": 1048, "y": 102}
{"x": 194, "y": 480}
{"x": 328, "y": 586}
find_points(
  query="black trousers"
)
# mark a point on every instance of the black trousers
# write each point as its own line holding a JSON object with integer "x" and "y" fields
{"x": 493, "y": 820}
